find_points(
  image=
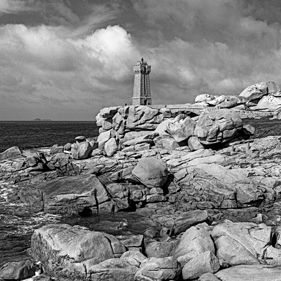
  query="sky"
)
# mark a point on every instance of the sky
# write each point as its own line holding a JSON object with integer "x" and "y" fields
{"x": 67, "y": 59}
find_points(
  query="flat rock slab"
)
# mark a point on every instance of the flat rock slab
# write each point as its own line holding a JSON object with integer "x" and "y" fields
{"x": 188, "y": 219}
{"x": 71, "y": 194}
{"x": 250, "y": 272}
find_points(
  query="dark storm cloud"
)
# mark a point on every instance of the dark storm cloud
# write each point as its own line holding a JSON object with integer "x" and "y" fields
{"x": 216, "y": 47}
{"x": 72, "y": 59}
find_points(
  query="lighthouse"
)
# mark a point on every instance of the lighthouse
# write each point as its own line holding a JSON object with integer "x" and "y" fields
{"x": 141, "y": 91}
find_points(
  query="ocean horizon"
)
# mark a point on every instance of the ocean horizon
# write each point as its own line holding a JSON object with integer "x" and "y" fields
{"x": 33, "y": 134}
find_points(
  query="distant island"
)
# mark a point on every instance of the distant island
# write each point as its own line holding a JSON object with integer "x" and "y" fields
{"x": 38, "y": 119}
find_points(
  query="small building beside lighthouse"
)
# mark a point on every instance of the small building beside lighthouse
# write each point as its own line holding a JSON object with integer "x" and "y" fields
{"x": 141, "y": 90}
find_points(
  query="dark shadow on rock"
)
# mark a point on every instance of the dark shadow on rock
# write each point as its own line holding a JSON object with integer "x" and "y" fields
{"x": 86, "y": 212}
{"x": 166, "y": 185}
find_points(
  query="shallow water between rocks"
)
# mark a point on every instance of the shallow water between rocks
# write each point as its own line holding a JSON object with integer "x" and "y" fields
{"x": 16, "y": 229}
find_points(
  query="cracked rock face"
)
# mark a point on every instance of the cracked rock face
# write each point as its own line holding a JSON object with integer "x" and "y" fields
{"x": 217, "y": 126}
{"x": 244, "y": 243}
{"x": 69, "y": 251}
{"x": 72, "y": 194}
{"x": 182, "y": 129}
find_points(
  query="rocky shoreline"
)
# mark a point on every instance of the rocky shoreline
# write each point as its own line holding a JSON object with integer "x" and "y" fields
{"x": 192, "y": 193}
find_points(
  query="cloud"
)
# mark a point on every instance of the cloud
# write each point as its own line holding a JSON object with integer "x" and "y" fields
{"x": 99, "y": 14}
{"x": 40, "y": 68}
{"x": 215, "y": 47}
{"x": 113, "y": 48}
{"x": 15, "y": 6}
{"x": 81, "y": 18}
{"x": 58, "y": 12}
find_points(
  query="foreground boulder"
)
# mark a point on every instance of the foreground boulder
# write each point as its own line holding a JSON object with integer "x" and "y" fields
{"x": 151, "y": 172}
{"x": 72, "y": 251}
{"x": 218, "y": 126}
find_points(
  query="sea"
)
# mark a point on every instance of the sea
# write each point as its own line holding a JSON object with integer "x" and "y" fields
{"x": 33, "y": 134}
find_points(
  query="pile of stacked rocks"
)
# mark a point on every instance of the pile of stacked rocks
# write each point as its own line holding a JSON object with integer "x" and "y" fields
{"x": 260, "y": 96}
{"x": 80, "y": 149}
{"x": 140, "y": 127}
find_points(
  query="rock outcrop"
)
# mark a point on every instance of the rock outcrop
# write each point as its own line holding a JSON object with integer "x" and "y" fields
{"x": 209, "y": 127}
{"x": 182, "y": 171}
{"x": 218, "y": 126}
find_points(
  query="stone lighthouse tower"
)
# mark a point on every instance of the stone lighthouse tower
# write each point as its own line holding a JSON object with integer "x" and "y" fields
{"x": 141, "y": 92}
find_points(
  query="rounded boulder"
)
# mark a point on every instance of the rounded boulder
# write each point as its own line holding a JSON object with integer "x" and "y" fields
{"x": 151, "y": 172}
